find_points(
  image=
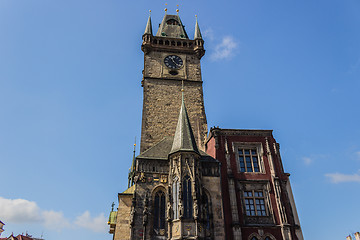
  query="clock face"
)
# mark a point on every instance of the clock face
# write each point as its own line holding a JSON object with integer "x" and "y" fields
{"x": 173, "y": 62}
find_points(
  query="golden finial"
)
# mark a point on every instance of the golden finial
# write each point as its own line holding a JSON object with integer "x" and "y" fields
{"x": 177, "y": 10}
{"x": 165, "y": 8}
{"x": 149, "y": 12}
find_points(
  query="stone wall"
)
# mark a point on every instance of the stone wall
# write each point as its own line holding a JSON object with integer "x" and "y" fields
{"x": 162, "y": 101}
{"x": 162, "y": 98}
{"x": 212, "y": 185}
{"x": 122, "y": 231}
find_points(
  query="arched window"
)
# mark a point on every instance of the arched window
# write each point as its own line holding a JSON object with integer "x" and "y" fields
{"x": 268, "y": 238}
{"x": 159, "y": 211}
{"x": 254, "y": 238}
{"x": 175, "y": 191}
{"x": 207, "y": 212}
{"x": 187, "y": 198}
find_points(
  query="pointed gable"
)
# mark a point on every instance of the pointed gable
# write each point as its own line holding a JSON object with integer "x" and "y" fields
{"x": 171, "y": 26}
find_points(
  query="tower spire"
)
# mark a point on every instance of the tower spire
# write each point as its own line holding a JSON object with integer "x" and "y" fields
{"x": 132, "y": 169}
{"x": 148, "y": 29}
{"x": 184, "y": 139}
{"x": 197, "y": 34}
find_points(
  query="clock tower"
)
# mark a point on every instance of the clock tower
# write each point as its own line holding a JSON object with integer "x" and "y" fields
{"x": 171, "y": 60}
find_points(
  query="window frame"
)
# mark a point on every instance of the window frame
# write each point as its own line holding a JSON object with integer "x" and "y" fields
{"x": 159, "y": 206}
{"x": 187, "y": 197}
{"x": 257, "y": 146}
{"x": 253, "y": 198}
{"x": 175, "y": 196}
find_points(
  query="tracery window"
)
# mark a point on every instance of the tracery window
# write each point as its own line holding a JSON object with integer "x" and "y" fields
{"x": 254, "y": 238}
{"x": 175, "y": 191}
{"x": 187, "y": 198}
{"x": 255, "y": 203}
{"x": 159, "y": 212}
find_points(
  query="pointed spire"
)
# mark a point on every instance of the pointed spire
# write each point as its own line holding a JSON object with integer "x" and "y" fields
{"x": 148, "y": 29}
{"x": 132, "y": 169}
{"x": 197, "y": 34}
{"x": 184, "y": 137}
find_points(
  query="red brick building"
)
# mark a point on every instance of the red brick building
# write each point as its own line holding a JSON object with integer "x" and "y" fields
{"x": 256, "y": 193}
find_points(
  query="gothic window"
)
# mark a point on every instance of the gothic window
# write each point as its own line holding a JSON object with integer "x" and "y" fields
{"x": 159, "y": 212}
{"x": 248, "y": 160}
{"x": 255, "y": 203}
{"x": 254, "y": 238}
{"x": 267, "y": 238}
{"x": 187, "y": 198}
{"x": 207, "y": 212}
{"x": 175, "y": 191}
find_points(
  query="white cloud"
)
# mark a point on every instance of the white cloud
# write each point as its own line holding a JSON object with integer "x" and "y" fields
{"x": 96, "y": 224}
{"x": 19, "y": 211}
{"x": 225, "y": 49}
{"x": 307, "y": 161}
{"x": 55, "y": 220}
{"x": 25, "y": 211}
{"x": 339, "y": 177}
{"x": 208, "y": 33}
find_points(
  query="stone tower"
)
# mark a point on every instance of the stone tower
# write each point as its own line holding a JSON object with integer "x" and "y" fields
{"x": 170, "y": 60}
{"x": 174, "y": 186}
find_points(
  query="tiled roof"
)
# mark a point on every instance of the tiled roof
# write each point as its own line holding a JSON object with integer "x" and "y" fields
{"x": 161, "y": 150}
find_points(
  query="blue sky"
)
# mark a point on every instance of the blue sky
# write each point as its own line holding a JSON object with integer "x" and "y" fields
{"x": 71, "y": 99}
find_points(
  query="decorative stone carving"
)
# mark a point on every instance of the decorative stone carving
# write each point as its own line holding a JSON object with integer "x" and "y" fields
{"x": 181, "y": 209}
{"x": 169, "y": 211}
{"x": 196, "y": 210}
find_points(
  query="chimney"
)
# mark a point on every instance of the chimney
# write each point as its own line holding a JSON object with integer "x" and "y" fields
{"x": 357, "y": 236}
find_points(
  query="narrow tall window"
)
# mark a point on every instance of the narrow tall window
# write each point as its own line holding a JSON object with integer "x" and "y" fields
{"x": 248, "y": 159}
{"x": 207, "y": 212}
{"x": 254, "y": 238}
{"x": 255, "y": 203}
{"x": 187, "y": 198}
{"x": 159, "y": 212}
{"x": 175, "y": 190}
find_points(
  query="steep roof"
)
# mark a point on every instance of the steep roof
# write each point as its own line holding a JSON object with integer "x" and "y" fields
{"x": 197, "y": 34}
{"x": 184, "y": 139}
{"x": 161, "y": 150}
{"x": 148, "y": 29}
{"x": 171, "y": 26}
